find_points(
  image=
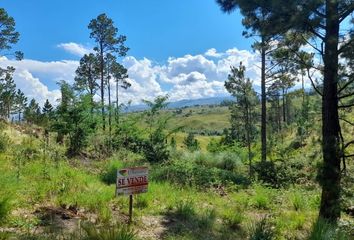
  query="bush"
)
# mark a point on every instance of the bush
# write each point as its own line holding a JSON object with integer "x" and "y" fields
{"x": 275, "y": 175}
{"x": 262, "y": 230}
{"x": 191, "y": 174}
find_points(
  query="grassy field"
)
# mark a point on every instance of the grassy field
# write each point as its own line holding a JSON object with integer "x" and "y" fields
{"x": 196, "y": 195}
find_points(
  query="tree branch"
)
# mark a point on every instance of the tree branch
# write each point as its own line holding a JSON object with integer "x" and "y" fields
{"x": 312, "y": 82}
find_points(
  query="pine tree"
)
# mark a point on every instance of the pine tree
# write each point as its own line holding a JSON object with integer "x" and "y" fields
{"x": 243, "y": 111}
{"x": 104, "y": 33}
{"x": 87, "y": 75}
{"x": 21, "y": 103}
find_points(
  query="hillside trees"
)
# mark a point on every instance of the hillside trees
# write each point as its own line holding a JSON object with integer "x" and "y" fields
{"x": 243, "y": 115}
{"x": 320, "y": 23}
{"x": 21, "y": 102}
{"x": 8, "y": 37}
{"x": 105, "y": 33}
{"x": 86, "y": 77}
{"x": 32, "y": 113}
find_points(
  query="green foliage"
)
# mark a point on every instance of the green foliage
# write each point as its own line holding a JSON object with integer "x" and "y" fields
{"x": 185, "y": 210}
{"x": 155, "y": 148}
{"x": 116, "y": 232}
{"x": 262, "y": 230}
{"x": 109, "y": 174}
{"x": 191, "y": 143}
{"x": 233, "y": 218}
{"x": 323, "y": 230}
{"x": 5, "y": 208}
{"x": 297, "y": 201}
{"x": 261, "y": 199}
{"x": 188, "y": 173}
{"x": 5, "y": 142}
{"x": 274, "y": 174}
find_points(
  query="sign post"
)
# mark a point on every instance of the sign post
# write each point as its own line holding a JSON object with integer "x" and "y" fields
{"x": 132, "y": 181}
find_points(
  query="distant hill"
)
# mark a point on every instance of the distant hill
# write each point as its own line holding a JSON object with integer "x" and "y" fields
{"x": 184, "y": 103}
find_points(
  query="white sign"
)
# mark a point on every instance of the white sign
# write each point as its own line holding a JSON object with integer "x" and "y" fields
{"x": 132, "y": 181}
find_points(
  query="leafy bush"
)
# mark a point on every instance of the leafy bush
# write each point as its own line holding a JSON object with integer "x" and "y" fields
{"x": 191, "y": 174}
{"x": 262, "y": 230}
{"x": 275, "y": 175}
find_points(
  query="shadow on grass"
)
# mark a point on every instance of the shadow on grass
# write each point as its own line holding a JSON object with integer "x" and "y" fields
{"x": 184, "y": 222}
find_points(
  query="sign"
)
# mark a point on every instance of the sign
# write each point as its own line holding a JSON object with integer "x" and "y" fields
{"x": 132, "y": 181}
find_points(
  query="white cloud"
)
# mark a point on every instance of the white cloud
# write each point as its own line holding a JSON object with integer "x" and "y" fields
{"x": 75, "y": 48}
{"x": 33, "y": 88}
{"x": 213, "y": 53}
{"x": 187, "y": 77}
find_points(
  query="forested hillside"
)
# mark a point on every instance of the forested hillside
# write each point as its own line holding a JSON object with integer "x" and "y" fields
{"x": 274, "y": 164}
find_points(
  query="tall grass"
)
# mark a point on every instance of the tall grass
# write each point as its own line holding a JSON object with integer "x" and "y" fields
{"x": 323, "y": 230}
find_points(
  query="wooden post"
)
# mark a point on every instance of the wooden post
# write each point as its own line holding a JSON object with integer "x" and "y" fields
{"x": 130, "y": 209}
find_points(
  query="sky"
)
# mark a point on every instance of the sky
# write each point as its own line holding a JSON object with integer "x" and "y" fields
{"x": 183, "y": 48}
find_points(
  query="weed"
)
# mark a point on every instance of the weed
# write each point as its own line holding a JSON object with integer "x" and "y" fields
{"x": 5, "y": 208}
{"x": 233, "y": 219}
{"x": 185, "y": 210}
{"x": 207, "y": 219}
{"x": 323, "y": 230}
{"x": 297, "y": 201}
{"x": 262, "y": 230}
{"x": 117, "y": 232}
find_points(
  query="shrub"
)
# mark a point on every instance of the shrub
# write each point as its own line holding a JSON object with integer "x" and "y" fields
{"x": 275, "y": 175}
{"x": 262, "y": 230}
{"x": 191, "y": 174}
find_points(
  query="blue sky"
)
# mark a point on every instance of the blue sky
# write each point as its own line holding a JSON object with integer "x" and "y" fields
{"x": 183, "y": 48}
{"x": 156, "y": 29}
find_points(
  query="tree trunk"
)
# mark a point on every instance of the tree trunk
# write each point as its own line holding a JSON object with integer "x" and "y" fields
{"x": 264, "y": 107}
{"x": 330, "y": 175}
{"x": 284, "y": 106}
{"x": 109, "y": 111}
{"x": 102, "y": 88}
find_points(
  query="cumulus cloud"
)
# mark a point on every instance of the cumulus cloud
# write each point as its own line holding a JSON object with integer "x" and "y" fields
{"x": 75, "y": 48}
{"x": 186, "y": 77}
{"x": 33, "y": 88}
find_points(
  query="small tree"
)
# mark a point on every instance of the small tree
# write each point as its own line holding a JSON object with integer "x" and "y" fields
{"x": 243, "y": 111}
{"x": 191, "y": 143}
